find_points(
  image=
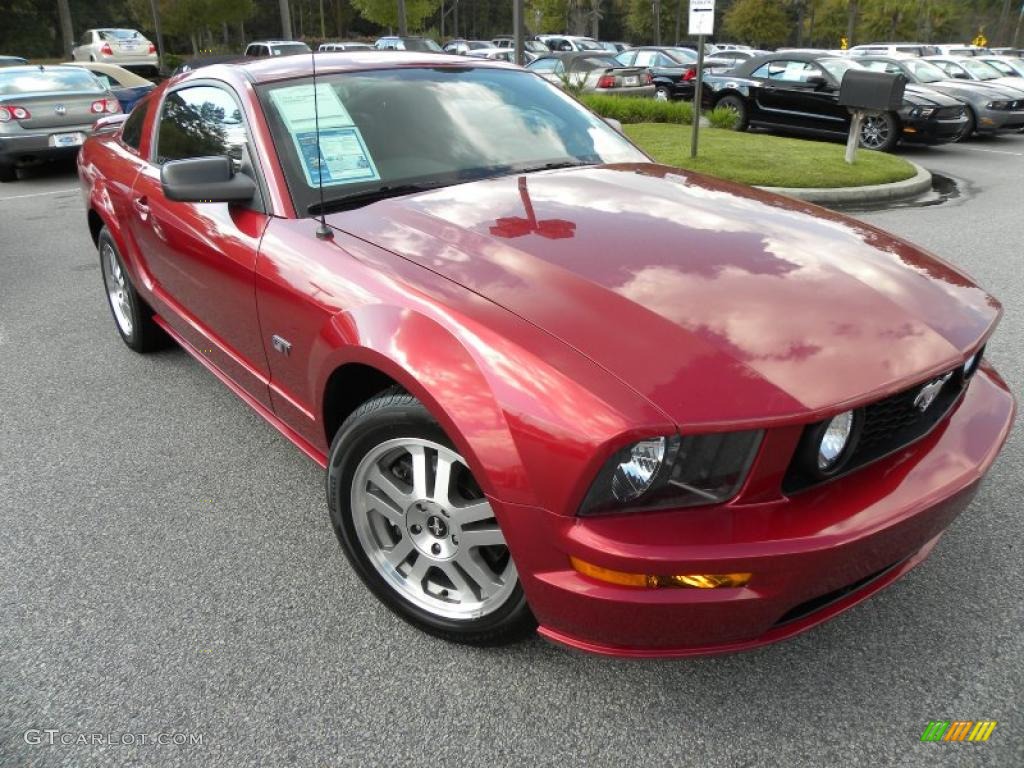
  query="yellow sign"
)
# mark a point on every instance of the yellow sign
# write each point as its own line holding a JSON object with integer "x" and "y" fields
{"x": 981, "y": 41}
{"x": 843, "y": 43}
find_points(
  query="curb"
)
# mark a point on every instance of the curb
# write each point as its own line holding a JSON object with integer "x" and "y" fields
{"x": 873, "y": 193}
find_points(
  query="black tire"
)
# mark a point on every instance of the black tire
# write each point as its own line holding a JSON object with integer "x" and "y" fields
{"x": 8, "y": 173}
{"x": 141, "y": 334}
{"x": 736, "y": 104}
{"x": 971, "y": 127}
{"x": 394, "y": 414}
{"x": 663, "y": 93}
{"x": 880, "y": 132}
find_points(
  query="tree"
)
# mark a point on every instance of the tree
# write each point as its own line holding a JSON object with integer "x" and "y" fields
{"x": 385, "y": 12}
{"x": 66, "y": 30}
{"x": 762, "y": 22}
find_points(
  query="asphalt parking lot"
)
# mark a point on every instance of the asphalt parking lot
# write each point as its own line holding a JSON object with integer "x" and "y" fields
{"x": 167, "y": 566}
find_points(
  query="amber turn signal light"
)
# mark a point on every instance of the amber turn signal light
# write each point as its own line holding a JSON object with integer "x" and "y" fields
{"x": 652, "y": 581}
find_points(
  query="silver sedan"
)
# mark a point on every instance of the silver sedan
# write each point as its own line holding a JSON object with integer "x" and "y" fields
{"x": 125, "y": 47}
{"x": 46, "y": 113}
{"x": 593, "y": 72}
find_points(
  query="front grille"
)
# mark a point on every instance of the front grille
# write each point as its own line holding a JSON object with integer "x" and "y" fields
{"x": 888, "y": 425}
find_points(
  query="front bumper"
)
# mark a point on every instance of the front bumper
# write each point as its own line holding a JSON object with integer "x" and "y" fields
{"x": 932, "y": 130}
{"x": 812, "y": 555}
{"x": 995, "y": 120}
{"x": 33, "y": 147}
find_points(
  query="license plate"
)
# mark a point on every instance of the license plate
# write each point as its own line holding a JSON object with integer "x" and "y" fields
{"x": 67, "y": 139}
{"x": 631, "y": 80}
{"x": 128, "y": 46}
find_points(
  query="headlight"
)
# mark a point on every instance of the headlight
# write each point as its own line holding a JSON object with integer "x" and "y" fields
{"x": 1001, "y": 105}
{"x": 673, "y": 471}
{"x": 922, "y": 111}
{"x": 971, "y": 366}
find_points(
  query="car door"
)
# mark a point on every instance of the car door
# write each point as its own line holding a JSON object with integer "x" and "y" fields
{"x": 788, "y": 95}
{"x": 201, "y": 257}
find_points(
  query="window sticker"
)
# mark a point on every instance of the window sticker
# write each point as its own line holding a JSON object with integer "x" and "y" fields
{"x": 342, "y": 157}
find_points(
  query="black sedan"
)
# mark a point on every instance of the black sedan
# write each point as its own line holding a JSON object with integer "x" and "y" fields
{"x": 800, "y": 92}
{"x": 673, "y": 75}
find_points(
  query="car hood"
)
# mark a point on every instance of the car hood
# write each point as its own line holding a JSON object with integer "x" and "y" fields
{"x": 926, "y": 96}
{"x": 968, "y": 89}
{"x": 715, "y": 301}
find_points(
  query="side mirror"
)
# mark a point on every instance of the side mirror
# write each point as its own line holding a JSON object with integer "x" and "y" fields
{"x": 817, "y": 82}
{"x": 205, "y": 180}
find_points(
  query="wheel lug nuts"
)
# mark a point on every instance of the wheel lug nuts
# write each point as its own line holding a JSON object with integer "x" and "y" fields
{"x": 455, "y": 539}
{"x": 415, "y": 529}
{"x": 436, "y": 549}
{"x": 445, "y": 512}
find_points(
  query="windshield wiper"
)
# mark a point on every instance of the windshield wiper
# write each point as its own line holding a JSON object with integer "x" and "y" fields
{"x": 552, "y": 166}
{"x": 358, "y": 199}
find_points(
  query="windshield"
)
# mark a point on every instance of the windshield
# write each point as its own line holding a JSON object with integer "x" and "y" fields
{"x": 398, "y": 128}
{"x": 588, "y": 45}
{"x": 22, "y": 81}
{"x": 588, "y": 63}
{"x": 980, "y": 69}
{"x": 684, "y": 55}
{"x": 838, "y": 67}
{"x": 924, "y": 72}
{"x": 422, "y": 45}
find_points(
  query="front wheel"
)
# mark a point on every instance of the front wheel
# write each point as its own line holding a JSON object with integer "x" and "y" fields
{"x": 880, "y": 132}
{"x": 418, "y": 530}
{"x": 971, "y": 127}
{"x": 737, "y": 105}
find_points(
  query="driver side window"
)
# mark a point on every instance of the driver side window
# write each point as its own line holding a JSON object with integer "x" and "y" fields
{"x": 200, "y": 121}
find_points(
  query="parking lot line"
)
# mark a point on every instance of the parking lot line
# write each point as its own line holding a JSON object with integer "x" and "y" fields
{"x": 993, "y": 151}
{"x": 40, "y": 194}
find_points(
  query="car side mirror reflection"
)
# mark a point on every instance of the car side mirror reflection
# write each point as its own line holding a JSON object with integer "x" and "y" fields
{"x": 614, "y": 124}
{"x": 205, "y": 180}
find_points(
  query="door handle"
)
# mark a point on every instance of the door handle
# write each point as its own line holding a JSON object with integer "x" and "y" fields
{"x": 142, "y": 207}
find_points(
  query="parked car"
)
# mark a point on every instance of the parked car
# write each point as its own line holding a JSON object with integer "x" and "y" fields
{"x": 954, "y": 49}
{"x": 614, "y": 47}
{"x": 593, "y": 72}
{"x": 344, "y": 45}
{"x": 395, "y": 43}
{"x": 990, "y": 108}
{"x": 726, "y": 60}
{"x": 500, "y": 54}
{"x": 267, "y": 49}
{"x": 462, "y": 47}
{"x": 569, "y": 43}
{"x": 800, "y": 92}
{"x": 895, "y": 49}
{"x": 533, "y": 46}
{"x": 128, "y": 48}
{"x": 126, "y": 86}
{"x": 1008, "y": 66}
{"x": 973, "y": 68}
{"x": 743, "y": 417}
{"x": 721, "y": 47}
{"x": 1015, "y": 52}
{"x": 672, "y": 74}
{"x": 12, "y": 61}
{"x": 46, "y": 113}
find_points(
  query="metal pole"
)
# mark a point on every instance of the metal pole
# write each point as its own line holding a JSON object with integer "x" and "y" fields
{"x": 403, "y": 30}
{"x": 657, "y": 22}
{"x": 286, "y": 20}
{"x": 517, "y": 30}
{"x": 323, "y": 26}
{"x": 698, "y": 94}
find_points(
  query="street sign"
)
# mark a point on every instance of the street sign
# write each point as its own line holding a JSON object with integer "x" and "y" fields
{"x": 702, "y": 17}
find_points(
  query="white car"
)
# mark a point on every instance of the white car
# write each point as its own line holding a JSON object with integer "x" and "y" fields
{"x": 127, "y": 48}
{"x": 567, "y": 43}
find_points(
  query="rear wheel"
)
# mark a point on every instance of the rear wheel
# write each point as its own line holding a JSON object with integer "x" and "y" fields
{"x": 662, "y": 93}
{"x": 418, "y": 530}
{"x": 880, "y": 132}
{"x": 132, "y": 317}
{"x": 8, "y": 172}
{"x": 737, "y": 105}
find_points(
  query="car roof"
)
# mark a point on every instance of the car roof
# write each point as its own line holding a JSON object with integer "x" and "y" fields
{"x": 329, "y": 63}
{"x": 277, "y": 42}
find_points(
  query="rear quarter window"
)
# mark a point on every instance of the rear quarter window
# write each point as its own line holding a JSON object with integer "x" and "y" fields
{"x": 131, "y": 131}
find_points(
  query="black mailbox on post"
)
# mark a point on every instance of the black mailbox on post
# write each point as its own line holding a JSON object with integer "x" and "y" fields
{"x": 867, "y": 90}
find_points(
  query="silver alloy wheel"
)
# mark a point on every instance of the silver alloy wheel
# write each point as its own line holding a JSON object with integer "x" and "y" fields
{"x": 117, "y": 288}
{"x": 661, "y": 95}
{"x": 433, "y": 540}
{"x": 874, "y": 131}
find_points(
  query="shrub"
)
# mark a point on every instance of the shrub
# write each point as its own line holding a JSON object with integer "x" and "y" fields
{"x": 723, "y": 117}
{"x": 628, "y": 109}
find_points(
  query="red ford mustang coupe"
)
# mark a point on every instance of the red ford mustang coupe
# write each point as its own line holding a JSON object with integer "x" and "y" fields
{"x": 552, "y": 383}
